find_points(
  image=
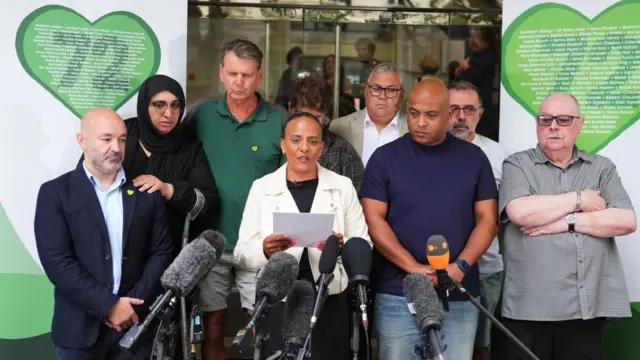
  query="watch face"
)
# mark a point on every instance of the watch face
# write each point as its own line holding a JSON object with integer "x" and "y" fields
{"x": 571, "y": 218}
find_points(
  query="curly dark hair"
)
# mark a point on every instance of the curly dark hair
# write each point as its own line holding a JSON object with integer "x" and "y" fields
{"x": 310, "y": 92}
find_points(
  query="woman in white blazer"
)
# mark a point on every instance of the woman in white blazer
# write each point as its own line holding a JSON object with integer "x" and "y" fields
{"x": 301, "y": 185}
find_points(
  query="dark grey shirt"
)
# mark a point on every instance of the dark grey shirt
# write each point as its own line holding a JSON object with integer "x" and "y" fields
{"x": 563, "y": 276}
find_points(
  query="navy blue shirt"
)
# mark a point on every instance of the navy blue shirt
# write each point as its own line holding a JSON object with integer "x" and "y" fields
{"x": 430, "y": 190}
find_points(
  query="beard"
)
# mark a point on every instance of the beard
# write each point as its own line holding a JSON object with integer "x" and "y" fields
{"x": 461, "y": 131}
{"x": 108, "y": 163}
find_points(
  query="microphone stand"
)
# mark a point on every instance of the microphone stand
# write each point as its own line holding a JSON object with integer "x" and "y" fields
{"x": 450, "y": 282}
{"x": 323, "y": 291}
{"x": 433, "y": 350}
{"x": 188, "y": 348}
{"x": 355, "y": 337}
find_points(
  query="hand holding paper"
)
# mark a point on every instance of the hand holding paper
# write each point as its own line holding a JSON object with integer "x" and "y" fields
{"x": 306, "y": 228}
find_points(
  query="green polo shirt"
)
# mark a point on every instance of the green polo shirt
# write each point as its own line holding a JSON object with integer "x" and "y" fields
{"x": 238, "y": 153}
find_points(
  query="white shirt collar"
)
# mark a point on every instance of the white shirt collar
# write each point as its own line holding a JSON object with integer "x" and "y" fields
{"x": 394, "y": 122}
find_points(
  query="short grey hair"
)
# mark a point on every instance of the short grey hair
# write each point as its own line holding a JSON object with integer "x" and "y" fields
{"x": 243, "y": 49}
{"x": 384, "y": 67}
{"x": 465, "y": 85}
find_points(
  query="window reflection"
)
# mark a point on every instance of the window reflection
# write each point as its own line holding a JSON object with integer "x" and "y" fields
{"x": 417, "y": 43}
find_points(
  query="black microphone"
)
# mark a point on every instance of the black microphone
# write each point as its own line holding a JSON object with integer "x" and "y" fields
{"x": 428, "y": 313}
{"x": 326, "y": 265}
{"x": 356, "y": 258}
{"x": 437, "y": 252}
{"x": 272, "y": 285}
{"x": 185, "y": 272}
{"x": 298, "y": 310}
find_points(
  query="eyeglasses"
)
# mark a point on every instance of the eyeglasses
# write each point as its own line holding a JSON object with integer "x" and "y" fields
{"x": 469, "y": 110}
{"x": 389, "y": 92}
{"x": 561, "y": 120}
{"x": 162, "y": 105}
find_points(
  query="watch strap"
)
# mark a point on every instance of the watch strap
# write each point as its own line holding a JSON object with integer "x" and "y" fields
{"x": 463, "y": 265}
{"x": 571, "y": 228}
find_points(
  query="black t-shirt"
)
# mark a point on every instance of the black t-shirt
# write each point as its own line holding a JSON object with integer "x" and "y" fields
{"x": 303, "y": 193}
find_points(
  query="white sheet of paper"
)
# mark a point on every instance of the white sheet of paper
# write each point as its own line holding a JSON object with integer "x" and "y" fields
{"x": 306, "y": 228}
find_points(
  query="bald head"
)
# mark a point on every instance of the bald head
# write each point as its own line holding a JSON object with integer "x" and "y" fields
{"x": 95, "y": 116}
{"x": 430, "y": 87}
{"x": 102, "y": 135}
{"x": 566, "y": 101}
{"x": 428, "y": 111}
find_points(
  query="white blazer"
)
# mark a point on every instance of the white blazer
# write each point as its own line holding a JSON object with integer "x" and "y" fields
{"x": 335, "y": 194}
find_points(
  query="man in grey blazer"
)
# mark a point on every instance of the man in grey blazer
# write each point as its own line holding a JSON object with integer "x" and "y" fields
{"x": 381, "y": 121}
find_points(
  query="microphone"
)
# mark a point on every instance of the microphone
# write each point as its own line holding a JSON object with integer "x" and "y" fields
{"x": 180, "y": 278}
{"x": 326, "y": 265}
{"x": 356, "y": 258}
{"x": 424, "y": 304}
{"x": 298, "y": 310}
{"x": 271, "y": 287}
{"x": 438, "y": 258}
{"x": 437, "y": 246}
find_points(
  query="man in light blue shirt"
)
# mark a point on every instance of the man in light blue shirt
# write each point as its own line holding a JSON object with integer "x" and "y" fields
{"x": 111, "y": 205}
{"x": 103, "y": 244}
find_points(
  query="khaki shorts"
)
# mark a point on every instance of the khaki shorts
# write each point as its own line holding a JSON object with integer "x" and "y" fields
{"x": 216, "y": 286}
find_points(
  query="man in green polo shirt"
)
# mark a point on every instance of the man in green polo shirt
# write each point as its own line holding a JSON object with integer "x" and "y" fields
{"x": 240, "y": 133}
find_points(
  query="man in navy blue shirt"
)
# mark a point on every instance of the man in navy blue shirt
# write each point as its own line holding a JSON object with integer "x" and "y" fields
{"x": 428, "y": 183}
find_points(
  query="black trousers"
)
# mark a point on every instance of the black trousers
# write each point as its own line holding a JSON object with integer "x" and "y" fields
{"x": 556, "y": 340}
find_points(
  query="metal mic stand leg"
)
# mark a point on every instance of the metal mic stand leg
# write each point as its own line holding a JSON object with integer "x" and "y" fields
{"x": 355, "y": 336}
{"x": 495, "y": 321}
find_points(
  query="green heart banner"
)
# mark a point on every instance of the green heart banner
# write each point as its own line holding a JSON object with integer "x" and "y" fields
{"x": 87, "y": 64}
{"x": 555, "y": 48}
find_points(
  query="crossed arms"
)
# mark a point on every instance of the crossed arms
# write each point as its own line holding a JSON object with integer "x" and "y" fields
{"x": 603, "y": 213}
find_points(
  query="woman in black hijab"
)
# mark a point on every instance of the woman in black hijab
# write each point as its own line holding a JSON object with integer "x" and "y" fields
{"x": 160, "y": 156}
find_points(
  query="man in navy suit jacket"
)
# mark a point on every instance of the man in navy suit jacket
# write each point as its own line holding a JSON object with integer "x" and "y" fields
{"x": 103, "y": 244}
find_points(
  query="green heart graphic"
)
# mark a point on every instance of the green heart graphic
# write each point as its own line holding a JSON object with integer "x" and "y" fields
{"x": 84, "y": 64}
{"x": 130, "y": 192}
{"x": 254, "y": 148}
{"x": 554, "y": 48}
{"x": 28, "y": 311}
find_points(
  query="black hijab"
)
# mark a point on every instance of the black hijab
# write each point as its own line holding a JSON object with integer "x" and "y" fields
{"x": 166, "y": 159}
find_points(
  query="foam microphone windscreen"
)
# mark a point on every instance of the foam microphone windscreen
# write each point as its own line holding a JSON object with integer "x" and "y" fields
{"x": 356, "y": 258}
{"x": 418, "y": 290}
{"x": 438, "y": 252}
{"x": 277, "y": 277}
{"x": 193, "y": 263}
{"x": 298, "y": 310}
{"x": 329, "y": 255}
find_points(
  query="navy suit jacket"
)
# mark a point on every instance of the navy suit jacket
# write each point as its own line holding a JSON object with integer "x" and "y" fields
{"x": 73, "y": 246}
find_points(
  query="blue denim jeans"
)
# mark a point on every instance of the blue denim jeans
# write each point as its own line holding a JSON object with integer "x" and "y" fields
{"x": 398, "y": 334}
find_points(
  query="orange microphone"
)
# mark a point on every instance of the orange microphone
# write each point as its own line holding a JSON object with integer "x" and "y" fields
{"x": 438, "y": 252}
{"x": 438, "y": 258}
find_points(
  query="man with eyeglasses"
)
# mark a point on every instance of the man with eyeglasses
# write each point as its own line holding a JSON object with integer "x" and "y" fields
{"x": 466, "y": 111}
{"x": 381, "y": 121}
{"x": 562, "y": 209}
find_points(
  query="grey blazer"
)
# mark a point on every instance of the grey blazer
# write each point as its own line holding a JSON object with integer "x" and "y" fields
{"x": 351, "y": 127}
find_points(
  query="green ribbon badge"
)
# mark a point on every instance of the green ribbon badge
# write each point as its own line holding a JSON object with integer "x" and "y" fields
{"x": 130, "y": 192}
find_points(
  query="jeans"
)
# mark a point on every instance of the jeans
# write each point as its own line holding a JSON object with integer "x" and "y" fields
{"x": 398, "y": 334}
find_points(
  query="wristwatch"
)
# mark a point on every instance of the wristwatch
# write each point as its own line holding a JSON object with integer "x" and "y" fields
{"x": 571, "y": 220}
{"x": 578, "y": 201}
{"x": 463, "y": 265}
